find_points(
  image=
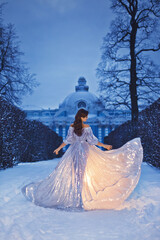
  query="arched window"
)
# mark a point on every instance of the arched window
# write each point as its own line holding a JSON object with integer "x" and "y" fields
{"x": 81, "y": 104}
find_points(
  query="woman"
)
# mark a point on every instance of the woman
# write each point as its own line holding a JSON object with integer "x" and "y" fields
{"x": 80, "y": 118}
{"x": 86, "y": 177}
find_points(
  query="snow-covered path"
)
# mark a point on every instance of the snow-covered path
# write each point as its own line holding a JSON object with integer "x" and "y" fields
{"x": 20, "y": 219}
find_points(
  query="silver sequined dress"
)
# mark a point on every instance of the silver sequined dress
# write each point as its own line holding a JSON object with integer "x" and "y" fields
{"x": 87, "y": 177}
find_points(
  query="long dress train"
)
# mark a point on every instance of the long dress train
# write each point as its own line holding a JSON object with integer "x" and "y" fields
{"x": 87, "y": 177}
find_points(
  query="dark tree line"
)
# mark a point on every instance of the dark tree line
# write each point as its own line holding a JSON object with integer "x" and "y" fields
{"x": 128, "y": 76}
{"x": 22, "y": 140}
{"x": 147, "y": 128}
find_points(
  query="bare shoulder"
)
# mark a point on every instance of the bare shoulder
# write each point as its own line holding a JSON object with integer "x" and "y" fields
{"x": 86, "y": 125}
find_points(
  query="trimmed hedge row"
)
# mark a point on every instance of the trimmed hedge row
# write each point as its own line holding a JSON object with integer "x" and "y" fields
{"x": 147, "y": 128}
{"x": 22, "y": 140}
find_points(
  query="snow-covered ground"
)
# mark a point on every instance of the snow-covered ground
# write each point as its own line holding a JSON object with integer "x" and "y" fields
{"x": 139, "y": 218}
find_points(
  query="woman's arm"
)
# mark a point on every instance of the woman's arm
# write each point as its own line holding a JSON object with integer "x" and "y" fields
{"x": 109, "y": 147}
{"x": 59, "y": 148}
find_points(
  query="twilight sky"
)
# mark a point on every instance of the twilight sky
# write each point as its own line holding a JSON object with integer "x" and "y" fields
{"x": 61, "y": 40}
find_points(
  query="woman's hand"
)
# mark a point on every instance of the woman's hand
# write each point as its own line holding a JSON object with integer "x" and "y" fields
{"x": 56, "y": 151}
{"x": 109, "y": 147}
{"x": 59, "y": 148}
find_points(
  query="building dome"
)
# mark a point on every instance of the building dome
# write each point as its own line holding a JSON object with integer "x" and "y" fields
{"x": 81, "y": 98}
{"x": 101, "y": 120}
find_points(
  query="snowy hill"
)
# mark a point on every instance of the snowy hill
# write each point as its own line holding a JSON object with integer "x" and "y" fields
{"x": 138, "y": 218}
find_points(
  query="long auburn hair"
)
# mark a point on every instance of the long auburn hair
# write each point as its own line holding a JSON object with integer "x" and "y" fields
{"x": 78, "y": 122}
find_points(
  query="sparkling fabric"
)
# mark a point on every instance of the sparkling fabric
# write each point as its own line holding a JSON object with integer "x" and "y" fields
{"x": 87, "y": 177}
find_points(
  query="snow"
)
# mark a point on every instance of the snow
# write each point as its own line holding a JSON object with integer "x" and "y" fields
{"x": 138, "y": 218}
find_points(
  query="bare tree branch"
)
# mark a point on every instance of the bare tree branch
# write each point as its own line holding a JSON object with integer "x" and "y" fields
{"x": 15, "y": 80}
{"x": 147, "y": 50}
{"x": 125, "y": 70}
{"x": 125, "y": 6}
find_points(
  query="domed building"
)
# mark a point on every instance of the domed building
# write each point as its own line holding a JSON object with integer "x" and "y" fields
{"x": 81, "y": 98}
{"x": 101, "y": 120}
